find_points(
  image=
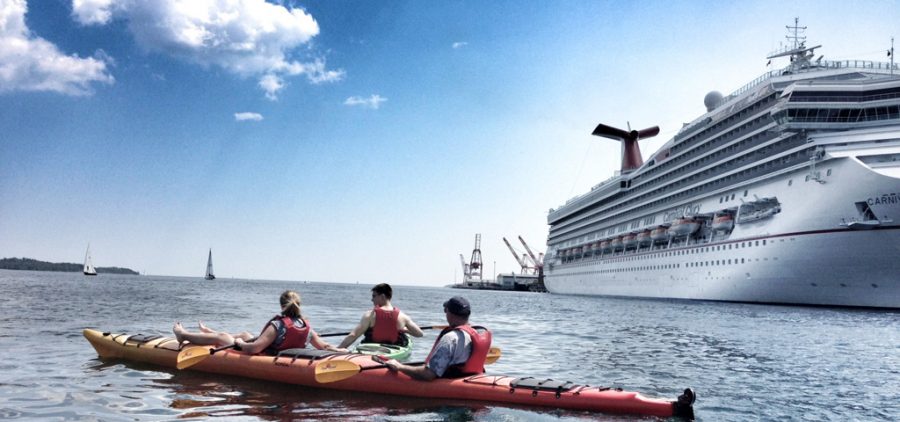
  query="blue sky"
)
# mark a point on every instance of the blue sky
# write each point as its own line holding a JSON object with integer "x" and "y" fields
{"x": 351, "y": 141}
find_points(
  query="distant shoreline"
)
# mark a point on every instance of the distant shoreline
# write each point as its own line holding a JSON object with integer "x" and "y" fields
{"x": 29, "y": 264}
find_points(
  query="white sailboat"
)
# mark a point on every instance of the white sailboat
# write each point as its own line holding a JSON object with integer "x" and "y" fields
{"x": 88, "y": 265}
{"x": 209, "y": 268}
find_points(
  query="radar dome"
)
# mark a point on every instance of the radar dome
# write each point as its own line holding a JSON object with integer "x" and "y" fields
{"x": 712, "y": 100}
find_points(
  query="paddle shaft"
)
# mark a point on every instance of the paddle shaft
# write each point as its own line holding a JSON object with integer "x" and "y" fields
{"x": 430, "y": 327}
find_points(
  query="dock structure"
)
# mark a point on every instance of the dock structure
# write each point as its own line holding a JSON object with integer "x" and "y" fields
{"x": 530, "y": 279}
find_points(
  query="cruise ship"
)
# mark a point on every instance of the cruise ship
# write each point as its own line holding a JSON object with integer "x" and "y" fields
{"x": 786, "y": 191}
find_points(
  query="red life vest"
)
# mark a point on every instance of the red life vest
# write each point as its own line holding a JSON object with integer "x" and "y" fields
{"x": 291, "y": 336}
{"x": 385, "y": 329}
{"x": 481, "y": 344}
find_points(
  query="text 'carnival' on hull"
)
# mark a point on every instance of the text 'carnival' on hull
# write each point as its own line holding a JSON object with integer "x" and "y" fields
{"x": 786, "y": 191}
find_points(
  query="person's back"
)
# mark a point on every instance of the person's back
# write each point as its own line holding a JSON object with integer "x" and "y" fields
{"x": 284, "y": 331}
{"x": 384, "y": 323}
{"x": 459, "y": 350}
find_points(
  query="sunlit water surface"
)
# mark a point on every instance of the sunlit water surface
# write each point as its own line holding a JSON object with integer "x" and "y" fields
{"x": 746, "y": 362}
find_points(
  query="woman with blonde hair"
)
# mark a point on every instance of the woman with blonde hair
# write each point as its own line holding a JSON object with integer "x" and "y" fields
{"x": 287, "y": 330}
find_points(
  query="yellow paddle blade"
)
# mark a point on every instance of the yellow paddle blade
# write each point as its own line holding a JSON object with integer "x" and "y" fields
{"x": 335, "y": 370}
{"x": 493, "y": 355}
{"x": 191, "y": 356}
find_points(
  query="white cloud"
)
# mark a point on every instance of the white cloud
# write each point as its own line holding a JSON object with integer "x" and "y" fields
{"x": 372, "y": 102}
{"x": 30, "y": 63}
{"x": 250, "y": 38}
{"x": 248, "y": 116}
{"x": 460, "y": 44}
{"x": 271, "y": 84}
{"x": 90, "y": 12}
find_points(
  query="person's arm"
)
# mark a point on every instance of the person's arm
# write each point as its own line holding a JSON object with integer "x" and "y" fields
{"x": 320, "y": 344}
{"x": 364, "y": 325}
{"x": 259, "y": 343}
{"x": 410, "y": 327}
{"x": 421, "y": 373}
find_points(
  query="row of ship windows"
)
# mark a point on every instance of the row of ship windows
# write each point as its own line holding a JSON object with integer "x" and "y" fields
{"x": 768, "y": 166}
{"x": 745, "y": 174}
{"x": 807, "y": 97}
{"x": 705, "y": 249}
{"x": 710, "y": 144}
{"x": 839, "y": 115}
{"x": 718, "y": 262}
{"x": 723, "y": 123}
{"x": 697, "y": 162}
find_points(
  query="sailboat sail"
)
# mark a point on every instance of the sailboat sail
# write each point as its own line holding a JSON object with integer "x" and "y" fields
{"x": 88, "y": 265}
{"x": 209, "y": 268}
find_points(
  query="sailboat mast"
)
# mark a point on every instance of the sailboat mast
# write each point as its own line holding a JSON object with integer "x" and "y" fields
{"x": 209, "y": 267}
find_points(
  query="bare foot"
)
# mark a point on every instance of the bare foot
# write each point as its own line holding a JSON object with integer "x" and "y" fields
{"x": 204, "y": 328}
{"x": 179, "y": 332}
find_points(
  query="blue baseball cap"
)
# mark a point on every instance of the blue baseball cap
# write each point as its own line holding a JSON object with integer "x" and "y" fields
{"x": 458, "y": 305}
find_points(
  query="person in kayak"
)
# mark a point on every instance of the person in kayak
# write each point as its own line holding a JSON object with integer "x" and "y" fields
{"x": 288, "y": 330}
{"x": 459, "y": 350}
{"x": 384, "y": 323}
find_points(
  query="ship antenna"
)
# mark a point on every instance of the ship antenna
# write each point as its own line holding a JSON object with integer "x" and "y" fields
{"x": 798, "y": 39}
{"x": 891, "y": 54}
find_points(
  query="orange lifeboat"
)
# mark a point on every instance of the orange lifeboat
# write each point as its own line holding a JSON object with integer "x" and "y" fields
{"x": 605, "y": 245}
{"x": 723, "y": 222}
{"x": 643, "y": 238}
{"x": 683, "y": 226}
{"x": 629, "y": 240}
{"x": 659, "y": 233}
{"x": 617, "y": 244}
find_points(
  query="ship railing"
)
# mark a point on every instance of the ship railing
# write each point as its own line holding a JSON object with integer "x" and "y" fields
{"x": 825, "y": 64}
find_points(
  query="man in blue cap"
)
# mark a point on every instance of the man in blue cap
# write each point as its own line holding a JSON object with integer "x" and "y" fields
{"x": 459, "y": 350}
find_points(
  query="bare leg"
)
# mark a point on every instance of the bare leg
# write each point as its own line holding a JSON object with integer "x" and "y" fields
{"x": 246, "y": 336}
{"x": 204, "y": 328}
{"x": 217, "y": 339}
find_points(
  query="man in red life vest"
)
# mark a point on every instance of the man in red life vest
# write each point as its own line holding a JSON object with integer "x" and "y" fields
{"x": 459, "y": 350}
{"x": 384, "y": 323}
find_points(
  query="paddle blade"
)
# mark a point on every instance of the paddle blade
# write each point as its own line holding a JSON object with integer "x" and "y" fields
{"x": 335, "y": 370}
{"x": 191, "y": 356}
{"x": 492, "y": 356}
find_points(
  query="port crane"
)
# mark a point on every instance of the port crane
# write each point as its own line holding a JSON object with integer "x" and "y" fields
{"x": 538, "y": 261}
{"x": 475, "y": 262}
{"x": 521, "y": 260}
{"x": 465, "y": 268}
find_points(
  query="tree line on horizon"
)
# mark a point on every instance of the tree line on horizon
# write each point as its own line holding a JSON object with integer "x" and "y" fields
{"x": 29, "y": 264}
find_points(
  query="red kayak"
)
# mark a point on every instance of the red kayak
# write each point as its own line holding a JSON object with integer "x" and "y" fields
{"x": 356, "y": 372}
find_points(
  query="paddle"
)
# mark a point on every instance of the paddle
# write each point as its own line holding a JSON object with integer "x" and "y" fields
{"x": 194, "y": 355}
{"x": 430, "y": 327}
{"x": 336, "y": 370}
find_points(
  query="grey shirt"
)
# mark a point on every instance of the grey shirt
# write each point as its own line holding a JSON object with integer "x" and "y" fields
{"x": 454, "y": 348}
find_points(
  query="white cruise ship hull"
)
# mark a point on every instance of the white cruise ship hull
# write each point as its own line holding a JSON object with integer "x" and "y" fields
{"x": 814, "y": 252}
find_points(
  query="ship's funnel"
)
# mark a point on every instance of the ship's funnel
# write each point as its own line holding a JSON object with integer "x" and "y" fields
{"x": 631, "y": 155}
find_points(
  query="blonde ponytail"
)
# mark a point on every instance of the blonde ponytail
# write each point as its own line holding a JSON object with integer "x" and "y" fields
{"x": 290, "y": 304}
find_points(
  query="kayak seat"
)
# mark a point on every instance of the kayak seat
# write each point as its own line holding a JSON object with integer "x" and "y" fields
{"x": 536, "y": 385}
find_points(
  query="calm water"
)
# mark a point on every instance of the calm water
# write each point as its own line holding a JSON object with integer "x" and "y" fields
{"x": 747, "y": 362}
